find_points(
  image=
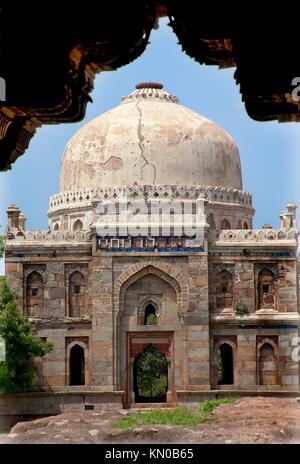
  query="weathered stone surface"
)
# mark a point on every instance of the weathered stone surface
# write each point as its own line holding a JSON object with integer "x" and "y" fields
{"x": 221, "y": 307}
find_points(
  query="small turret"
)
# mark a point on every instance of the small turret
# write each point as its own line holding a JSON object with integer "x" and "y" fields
{"x": 288, "y": 218}
{"x": 13, "y": 215}
{"x": 22, "y": 222}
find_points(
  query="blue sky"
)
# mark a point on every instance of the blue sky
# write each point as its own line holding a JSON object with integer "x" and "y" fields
{"x": 269, "y": 151}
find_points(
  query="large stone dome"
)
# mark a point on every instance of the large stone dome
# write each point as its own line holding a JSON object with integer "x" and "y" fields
{"x": 150, "y": 139}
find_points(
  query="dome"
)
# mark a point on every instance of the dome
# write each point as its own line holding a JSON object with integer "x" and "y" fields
{"x": 150, "y": 139}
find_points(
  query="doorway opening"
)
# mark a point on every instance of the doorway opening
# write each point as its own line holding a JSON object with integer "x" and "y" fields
{"x": 77, "y": 366}
{"x": 225, "y": 365}
{"x": 150, "y": 376}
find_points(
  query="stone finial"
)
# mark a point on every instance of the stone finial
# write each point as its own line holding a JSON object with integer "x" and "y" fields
{"x": 150, "y": 91}
{"x": 149, "y": 85}
{"x": 267, "y": 226}
{"x": 291, "y": 207}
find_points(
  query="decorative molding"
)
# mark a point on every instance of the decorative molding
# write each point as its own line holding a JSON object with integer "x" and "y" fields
{"x": 257, "y": 235}
{"x": 46, "y": 235}
{"x": 152, "y": 93}
{"x": 86, "y": 197}
{"x": 145, "y": 299}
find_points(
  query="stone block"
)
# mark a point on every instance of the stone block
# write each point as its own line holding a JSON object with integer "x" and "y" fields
{"x": 57, "y": 293}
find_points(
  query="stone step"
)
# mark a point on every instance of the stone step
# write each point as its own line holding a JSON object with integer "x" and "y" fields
{"x": 149, "y": 406}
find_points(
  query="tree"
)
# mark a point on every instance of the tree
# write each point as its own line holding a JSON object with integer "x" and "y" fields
{"x": 6, "y": 294}
{"x": 152, "y": 373}
{"x": 21, "y": 344}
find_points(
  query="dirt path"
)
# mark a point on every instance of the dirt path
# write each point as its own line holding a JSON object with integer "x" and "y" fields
{"x": 249, "y": 420}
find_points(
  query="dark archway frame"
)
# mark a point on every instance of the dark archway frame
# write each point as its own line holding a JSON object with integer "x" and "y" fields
{"x": 51, "y": 83}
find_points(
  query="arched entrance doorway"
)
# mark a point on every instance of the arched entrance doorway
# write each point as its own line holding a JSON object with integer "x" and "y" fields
{"x": 225, "y": 365}
{"x": 150, "y": 376}
{"x": 77, "y": 366}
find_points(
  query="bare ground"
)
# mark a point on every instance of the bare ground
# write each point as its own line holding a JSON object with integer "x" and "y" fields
{"x": 248, "y": 420}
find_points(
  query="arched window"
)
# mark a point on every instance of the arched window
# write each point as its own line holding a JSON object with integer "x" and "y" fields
{"x": 224, "y": 290}
{"x": 239, "y": 225}
{"x": 56, "y": 227}
{"x": 77, "y": 290}
{"x": 225, "y": 365}
{"x": 77, "y": 366}
{"x": 266, "y": 289}
{"x": 225, "y": 224}
{"x": 150, "y": 317}
{"x": 245, "y": 225}
{"x": 267, "y": 365}
{"x": 77, "y": 225}
{"x": 35, "y": 295}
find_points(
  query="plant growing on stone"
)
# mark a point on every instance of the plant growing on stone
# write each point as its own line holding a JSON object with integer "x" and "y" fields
{"x": 21, "y": 344}
{"x": 151, "y": 319}
{"x": 241, "y": 309}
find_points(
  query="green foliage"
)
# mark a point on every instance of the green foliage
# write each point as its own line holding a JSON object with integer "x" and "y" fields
{"x": 16, "y": 373}
{"x": 6, "y": 294}
{"x": 151, "y": 319}
{"x": 184, "y": 417}
{"x": 152, "y": 373}
{"x": 208, "y": 406}
{"x": 241, "y": 309}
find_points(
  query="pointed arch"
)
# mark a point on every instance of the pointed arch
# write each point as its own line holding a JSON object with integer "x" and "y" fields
{"x": 35, "y": 294}
{"x": 266, "y": 289}
{"x": 225, "y": 348}
{"x": 78, "y": 225}
{"x": 150, "y": 314}
{"x": 165, "y": 271}
{"x": 225, "y": 224}
{"x": 268, "y": 363}
{"x": 224, "y": 289}
{"x": 77, "y": 365}
{"x": 225, "y": 364}
{"x": 77, "y": 291}
{"x": 211, "y": 221}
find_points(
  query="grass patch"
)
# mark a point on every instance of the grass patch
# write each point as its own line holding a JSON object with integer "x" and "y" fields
{"x": 181, "y": 416}
{"x": 178, "y": 416}
{"x": 208, "y": 406}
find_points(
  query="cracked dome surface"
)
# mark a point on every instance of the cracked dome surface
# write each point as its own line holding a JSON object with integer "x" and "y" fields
{"x": 150, "y": 139}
